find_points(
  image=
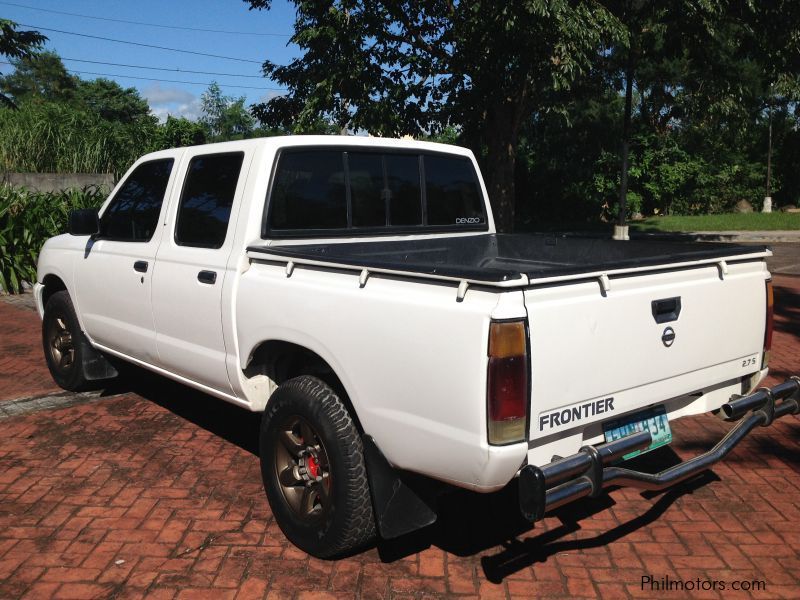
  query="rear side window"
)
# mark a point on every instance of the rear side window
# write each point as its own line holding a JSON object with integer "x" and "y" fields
{"x": 354, "y": 190}
{"x": 206, "y": 200}
{"x": 132, "y": 216}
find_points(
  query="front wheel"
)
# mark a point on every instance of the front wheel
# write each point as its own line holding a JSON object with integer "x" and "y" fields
{"x": 313, "y": 469}
{"x": 63, "y": 343}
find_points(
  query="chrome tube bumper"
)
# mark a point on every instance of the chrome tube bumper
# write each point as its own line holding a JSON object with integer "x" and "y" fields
{"x": 589, "y": 471}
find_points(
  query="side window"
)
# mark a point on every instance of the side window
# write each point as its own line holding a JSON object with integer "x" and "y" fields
{"x": 132, "y": 216}
{"x": 205, "y": 205}
{"x": 309, "y": 191}
{"x": 452, "y": 193}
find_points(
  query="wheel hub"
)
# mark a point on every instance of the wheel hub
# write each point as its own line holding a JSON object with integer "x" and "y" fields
{"x": 62, "y": 349}
{"x": 309, "y": 468}
{"x": 302, "y": 468}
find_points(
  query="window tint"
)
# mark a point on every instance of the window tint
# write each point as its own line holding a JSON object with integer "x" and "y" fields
{"x": 132, "y": 215}
{"x": 206, "y": 200}
{"x": 309, "y": 191}
{"x": 451, "y": 190}
{"x": 340, "y": 189}
{"x": 367, "y": 194}
{"x": 405, "y": 201}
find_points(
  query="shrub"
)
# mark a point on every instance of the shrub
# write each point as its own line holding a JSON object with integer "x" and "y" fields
{"x": 27, "y": 219}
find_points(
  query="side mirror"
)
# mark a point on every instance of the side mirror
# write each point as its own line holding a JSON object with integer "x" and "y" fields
{"x": 84, "y": 221}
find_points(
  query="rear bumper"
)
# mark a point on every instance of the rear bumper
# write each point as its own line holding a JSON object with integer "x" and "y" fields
{"x": 587, "y": 472}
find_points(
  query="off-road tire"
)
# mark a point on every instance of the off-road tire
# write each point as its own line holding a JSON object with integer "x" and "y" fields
{"x": 348, "y": 524}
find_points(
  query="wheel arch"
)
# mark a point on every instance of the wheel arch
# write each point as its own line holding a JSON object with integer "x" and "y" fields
{"x": 281, "y": 360}
{"x": 52, "y": 283}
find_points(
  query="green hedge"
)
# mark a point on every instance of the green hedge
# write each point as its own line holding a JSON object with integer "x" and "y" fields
{"x": 27, "y": 219}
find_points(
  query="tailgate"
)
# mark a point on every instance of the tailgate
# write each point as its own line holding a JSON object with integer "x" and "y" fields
{"x": 596, "y": 355}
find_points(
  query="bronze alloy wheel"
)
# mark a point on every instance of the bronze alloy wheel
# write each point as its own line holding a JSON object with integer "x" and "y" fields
{"x": 60, "y": 343}
{"x": 303, "y": 469}
{"x": 312, "y": 465}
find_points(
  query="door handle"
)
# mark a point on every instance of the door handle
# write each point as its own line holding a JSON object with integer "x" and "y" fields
{"x": 140, "y": 266}
{"x": 209, "y": 277}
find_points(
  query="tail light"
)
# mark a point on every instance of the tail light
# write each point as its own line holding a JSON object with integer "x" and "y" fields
{"x": 507, "y": 393}
{"x": 770, "y": 324}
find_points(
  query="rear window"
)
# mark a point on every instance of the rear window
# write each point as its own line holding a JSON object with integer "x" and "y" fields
{"x": 352, "y": 191}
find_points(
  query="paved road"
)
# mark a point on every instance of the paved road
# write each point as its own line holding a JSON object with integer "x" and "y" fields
{"x": 785, "y": 259}
{"x": 153, "y": 490}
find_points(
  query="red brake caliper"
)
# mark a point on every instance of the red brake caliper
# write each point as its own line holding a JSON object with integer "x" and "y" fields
{"x": 312, "y": 466}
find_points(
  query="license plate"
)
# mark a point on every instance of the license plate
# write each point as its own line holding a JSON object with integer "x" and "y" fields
{"x": 653, "y": 420}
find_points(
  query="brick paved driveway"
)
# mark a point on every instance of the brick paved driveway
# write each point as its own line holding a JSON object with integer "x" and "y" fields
{"x": 154, "y": 491}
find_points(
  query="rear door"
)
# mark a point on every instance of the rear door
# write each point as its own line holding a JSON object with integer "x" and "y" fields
{"x": 650, "y": 337}
{"x": 191, "y": 268}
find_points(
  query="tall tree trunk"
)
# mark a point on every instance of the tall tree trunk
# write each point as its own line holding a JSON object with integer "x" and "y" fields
{"x": 626, "y": 137}
{"x": 501, "y": 136}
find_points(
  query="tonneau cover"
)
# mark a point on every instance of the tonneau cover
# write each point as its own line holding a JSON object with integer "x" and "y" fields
{"x": 505, "y": 257}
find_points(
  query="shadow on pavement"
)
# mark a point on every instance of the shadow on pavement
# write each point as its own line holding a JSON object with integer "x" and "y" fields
{"x": 234, "y": 424}
{"x": 787, "y": 310}
{"x": 470, "y": 523}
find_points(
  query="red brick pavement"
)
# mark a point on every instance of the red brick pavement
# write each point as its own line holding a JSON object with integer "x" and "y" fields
{"x": 157, "y": 494}
{"x": 23, "y": 371}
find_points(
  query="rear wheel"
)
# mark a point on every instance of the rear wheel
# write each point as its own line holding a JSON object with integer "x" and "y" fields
{"x": 313, "y": 469}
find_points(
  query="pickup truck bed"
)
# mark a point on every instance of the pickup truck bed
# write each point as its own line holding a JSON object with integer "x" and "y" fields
{"x": 495, "y": 258}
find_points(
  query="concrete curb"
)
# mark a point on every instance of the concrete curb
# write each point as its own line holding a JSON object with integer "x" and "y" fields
{"x": 777, "y": 236}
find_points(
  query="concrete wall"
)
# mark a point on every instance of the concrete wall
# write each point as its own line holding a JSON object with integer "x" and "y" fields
{"x": 54, "y": 182}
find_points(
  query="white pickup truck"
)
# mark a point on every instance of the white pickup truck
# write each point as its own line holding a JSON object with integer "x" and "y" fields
{"x": 355, "y": 290}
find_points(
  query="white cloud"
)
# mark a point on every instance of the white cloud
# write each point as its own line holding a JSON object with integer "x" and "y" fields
{"x": 270, "y": 95}
{"x": 173, "y": 102}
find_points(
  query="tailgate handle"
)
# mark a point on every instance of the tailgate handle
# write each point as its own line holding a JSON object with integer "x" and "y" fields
{"x": 667, "y": 309}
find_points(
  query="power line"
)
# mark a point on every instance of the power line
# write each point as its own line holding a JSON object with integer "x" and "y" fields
{"x": 206, "y": 84}
{"x": 175, "y": 70}
{"x": 145, "y": 24}
{"x": 97, "y": 37}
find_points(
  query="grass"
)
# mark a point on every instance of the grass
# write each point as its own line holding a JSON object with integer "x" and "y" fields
{"x": 723, "y": 222}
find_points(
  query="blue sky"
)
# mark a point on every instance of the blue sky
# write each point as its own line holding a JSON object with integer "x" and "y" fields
{"x": 178, "y": 99}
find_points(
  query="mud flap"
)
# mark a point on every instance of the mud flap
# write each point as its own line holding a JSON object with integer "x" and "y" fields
{"x": 398, "y": 508}
{"x": 95, "y": 365}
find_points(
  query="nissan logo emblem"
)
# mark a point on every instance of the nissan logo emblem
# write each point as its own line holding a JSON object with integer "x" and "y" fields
{"x": 668, "y": 337}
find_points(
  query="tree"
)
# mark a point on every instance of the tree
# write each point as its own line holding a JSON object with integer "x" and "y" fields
{"x": 17, "y": 44}
{"x": 39, "y": 77}
{"x": 177, "y": 132}
{"x": 224, "y": 117}
{"x": 111, "y": 101}
{"x": 404, "y": 67}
